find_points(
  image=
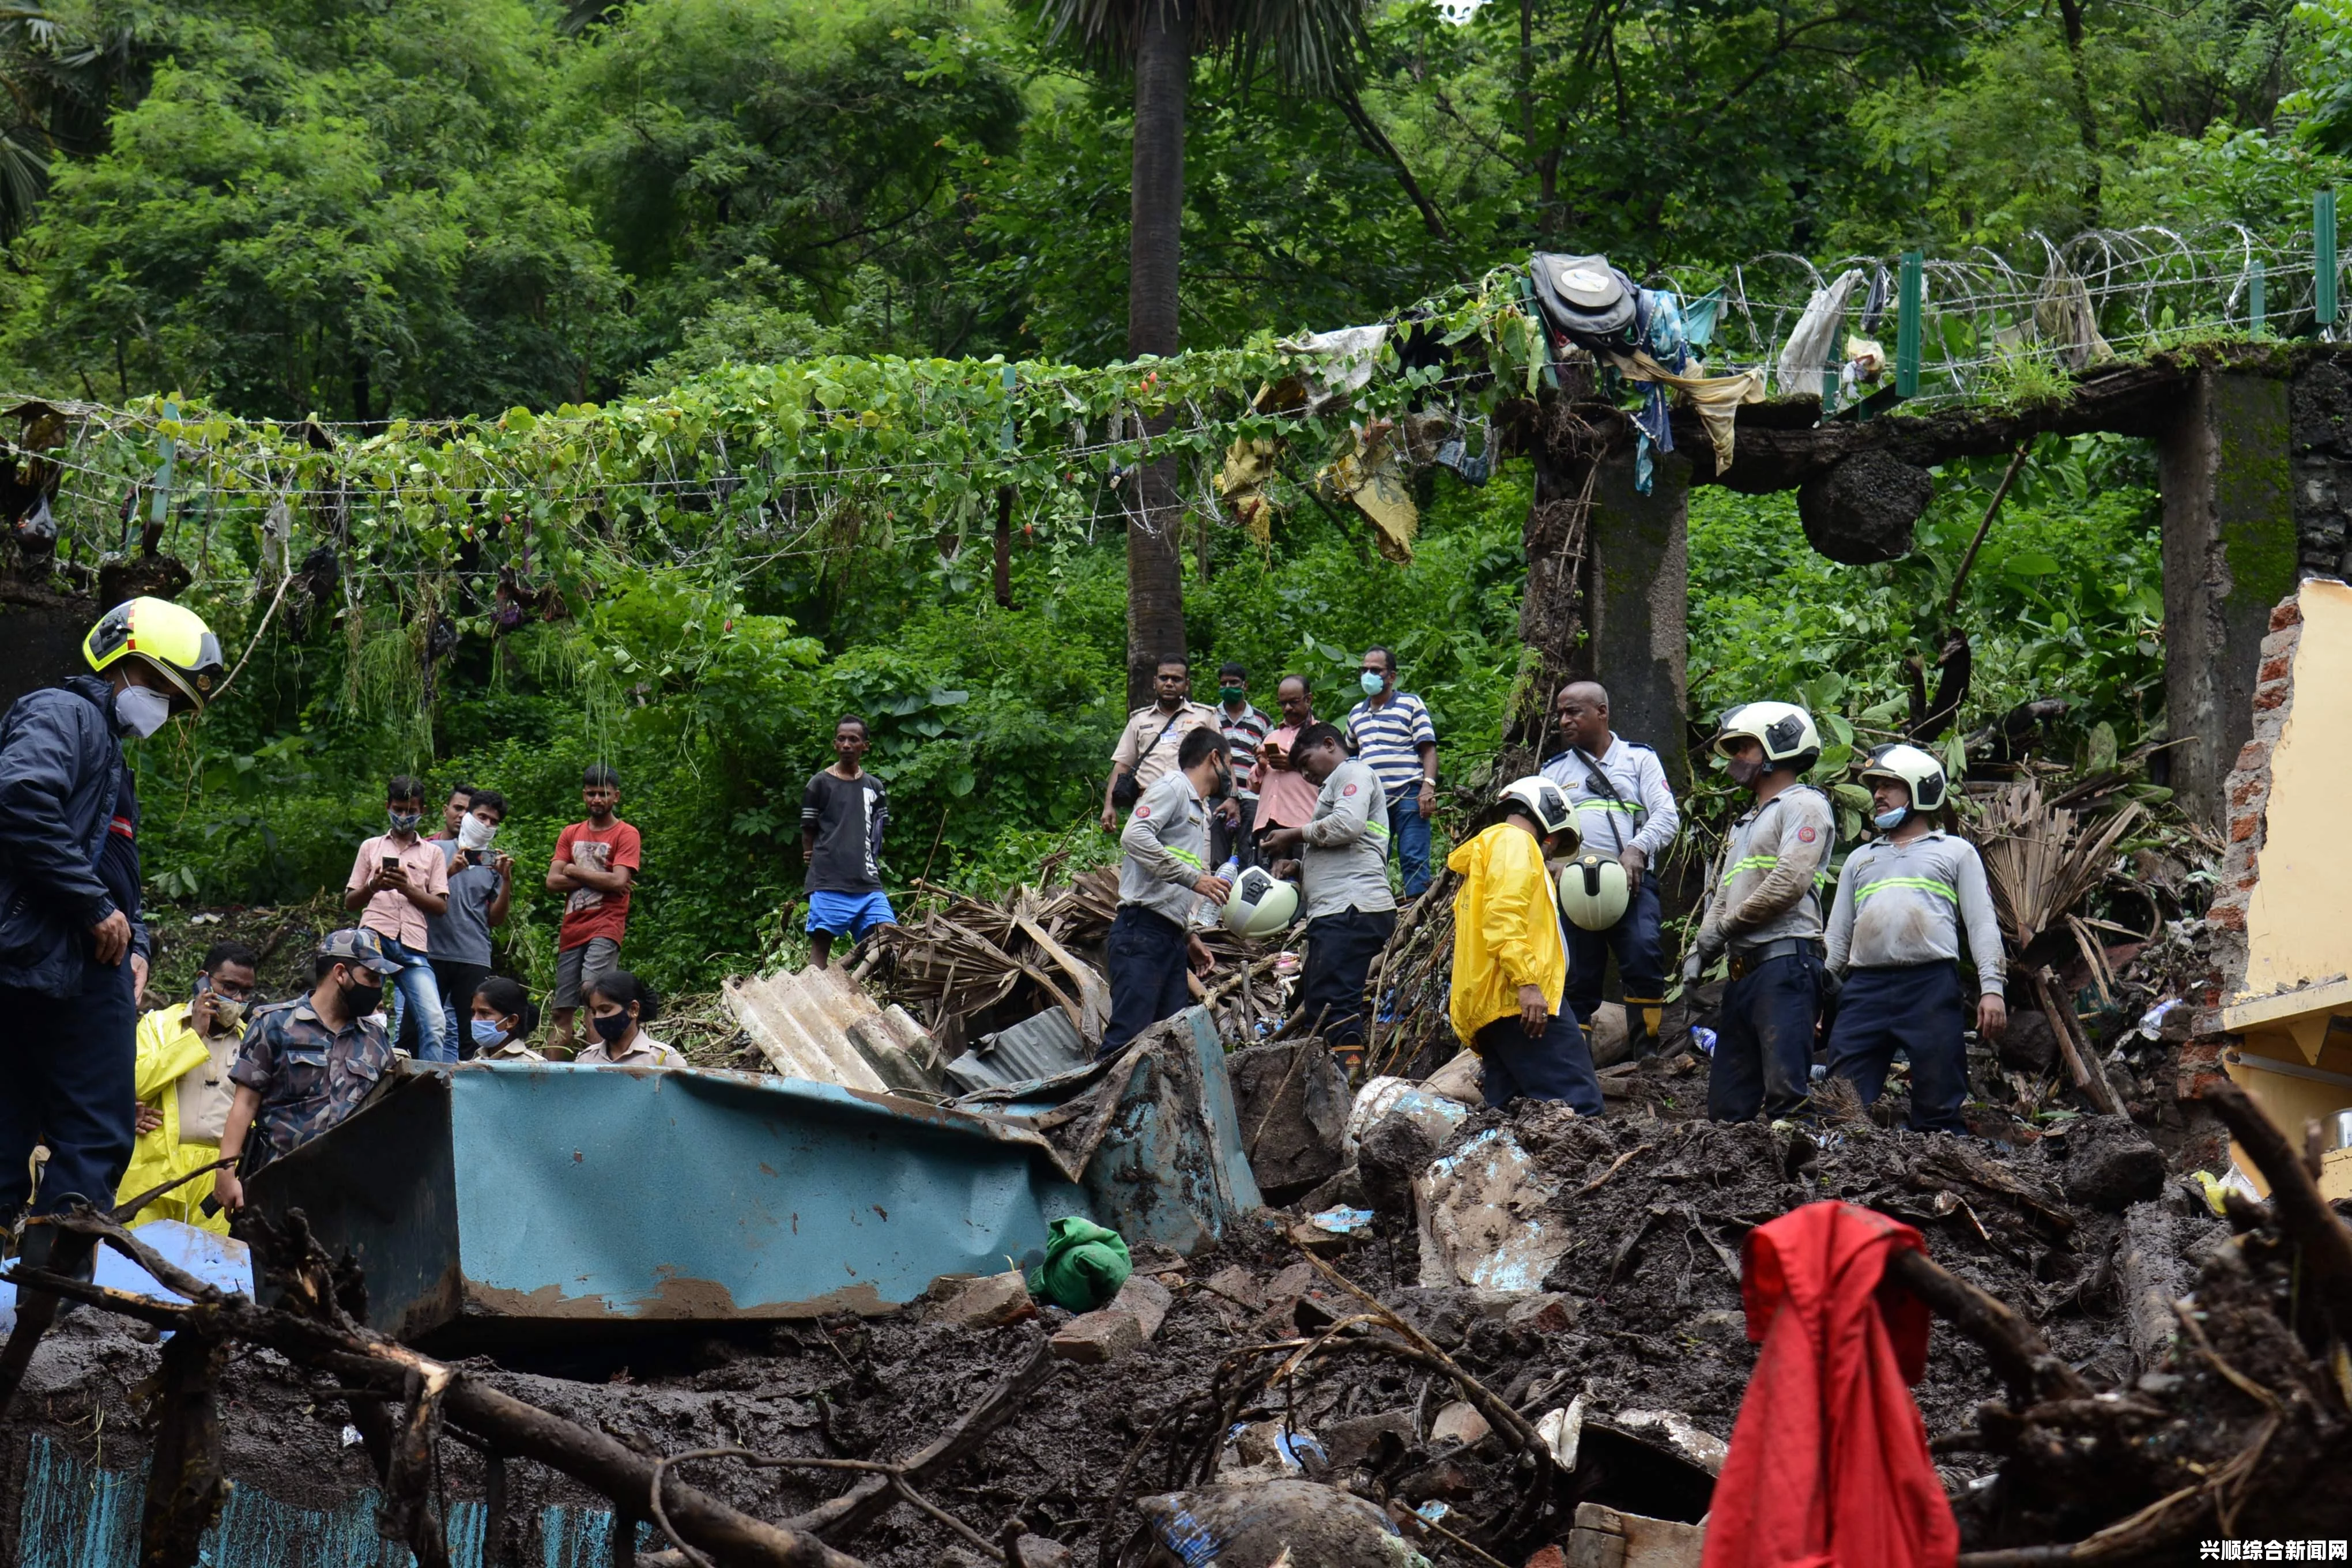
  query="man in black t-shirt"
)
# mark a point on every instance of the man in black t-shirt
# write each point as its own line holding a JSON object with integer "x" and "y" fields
{"x": 843, "y": 812}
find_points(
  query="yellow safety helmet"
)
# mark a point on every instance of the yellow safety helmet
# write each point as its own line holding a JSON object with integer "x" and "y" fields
{"x": 170, "y": 639}
{"x": 1594, "y": 891}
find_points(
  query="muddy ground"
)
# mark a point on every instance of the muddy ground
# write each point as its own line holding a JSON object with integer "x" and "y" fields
{"x": 1648, "y": 1272}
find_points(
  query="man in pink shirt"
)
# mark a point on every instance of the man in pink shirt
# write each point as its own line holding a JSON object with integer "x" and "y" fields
{"x": 399, "y": 877}
{"x": 1286, "y": 797}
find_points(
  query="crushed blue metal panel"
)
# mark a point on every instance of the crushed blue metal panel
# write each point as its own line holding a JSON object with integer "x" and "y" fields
{"x": 78, "y": 1515}
{"x": 1170, "y": 1167}
{"x": 544, "y": 1193}
{"x": 1153, "y": 1135}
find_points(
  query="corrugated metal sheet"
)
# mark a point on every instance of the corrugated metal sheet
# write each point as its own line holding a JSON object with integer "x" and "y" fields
{"x": 819, "y": 1025}
{"x": 1042, "y": 1046}
{"x": 496, "y": 1194}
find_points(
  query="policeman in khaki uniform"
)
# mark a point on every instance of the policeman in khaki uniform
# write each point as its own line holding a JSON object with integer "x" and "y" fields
{"x": 1904, "y": 900}
{"x": 1766, "y": 913}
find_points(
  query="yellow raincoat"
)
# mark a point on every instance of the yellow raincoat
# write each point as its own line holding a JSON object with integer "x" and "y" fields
{"x": 1505, "y": 928}
{"x": 169, "y": 1049}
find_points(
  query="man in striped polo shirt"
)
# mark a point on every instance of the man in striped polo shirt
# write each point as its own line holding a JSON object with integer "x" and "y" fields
{"x": 1903, "y": 902}
{"x": 1390, "y": 730}
{"x": 1233, "y": 826}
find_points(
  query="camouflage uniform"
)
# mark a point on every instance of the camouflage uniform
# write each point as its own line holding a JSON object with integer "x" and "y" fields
{"x": 311, "y": 1078}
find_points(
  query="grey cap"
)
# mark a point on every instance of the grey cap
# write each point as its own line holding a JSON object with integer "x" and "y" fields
{"x": 360, "y": 946}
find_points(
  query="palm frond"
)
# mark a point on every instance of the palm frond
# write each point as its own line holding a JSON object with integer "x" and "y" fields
{"x": 2042, "y": 861}
{"x": 1312, "y": 46}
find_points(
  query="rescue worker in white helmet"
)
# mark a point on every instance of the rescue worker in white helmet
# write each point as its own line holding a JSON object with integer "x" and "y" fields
{"x": 69, "y": 879}
{"x": 1625, "y": 813}
{"x": 1343, "y": 863}
{"x": 1766, "y": 912}
{"x": 1511, "y": 963}
{"x": 1903, "y": 902}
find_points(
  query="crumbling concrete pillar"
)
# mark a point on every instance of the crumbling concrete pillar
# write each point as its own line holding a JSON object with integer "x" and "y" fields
{"x": 1637, "y": 598}
{"x": 2229, "y": 553}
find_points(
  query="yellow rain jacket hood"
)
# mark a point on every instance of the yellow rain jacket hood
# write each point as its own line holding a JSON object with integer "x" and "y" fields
{"x": 168, "y": 1049}
{"x": 1505, "y": 928}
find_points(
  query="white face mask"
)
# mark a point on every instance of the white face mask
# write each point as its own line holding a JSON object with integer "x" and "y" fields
{"x": 475, "y": 833}
{"x": 142, "y": 712}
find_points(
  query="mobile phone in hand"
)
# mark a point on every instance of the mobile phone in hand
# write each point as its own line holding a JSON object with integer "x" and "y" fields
{"x": 392, "y": 865}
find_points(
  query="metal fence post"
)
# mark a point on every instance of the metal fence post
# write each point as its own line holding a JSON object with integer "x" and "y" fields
{"x": 1910, "y": 300}
{"x": 2255, "y": 282}
{"x": 2323, "y": 260}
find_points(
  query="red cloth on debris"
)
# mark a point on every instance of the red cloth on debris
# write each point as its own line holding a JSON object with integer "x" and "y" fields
{"x": 1828, "y": 1465}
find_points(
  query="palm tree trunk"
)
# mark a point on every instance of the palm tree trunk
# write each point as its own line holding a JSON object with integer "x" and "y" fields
{"x": 1155, "y": 568}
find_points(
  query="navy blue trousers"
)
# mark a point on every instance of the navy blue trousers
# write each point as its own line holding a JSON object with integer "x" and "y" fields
{"x": 1919, "y": 1009}
{"x": 1146, "y": 957}
{"x": 1554, "y": 1065}
{"x": 1641, "y": 967}
{"x": 1764, "y": 1043}
{"x": 69, "y": 1066}
{"x": 1340, "y": 949}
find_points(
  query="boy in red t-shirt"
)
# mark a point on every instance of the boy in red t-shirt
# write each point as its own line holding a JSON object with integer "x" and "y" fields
{"x": 596, "y": 862}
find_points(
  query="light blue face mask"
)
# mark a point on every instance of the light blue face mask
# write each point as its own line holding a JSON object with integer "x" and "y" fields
{"x": 487, "y": 1032}
{"x": 1371, "y": 680}
{"x": 1888, "y": 821}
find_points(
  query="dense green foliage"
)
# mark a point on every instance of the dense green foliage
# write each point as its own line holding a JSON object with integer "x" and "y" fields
{"x": 381, "y": 210}
{"x": 993, "y": 727}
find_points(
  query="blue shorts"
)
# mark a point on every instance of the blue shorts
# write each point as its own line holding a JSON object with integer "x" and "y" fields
{"x": 853, "y": 913}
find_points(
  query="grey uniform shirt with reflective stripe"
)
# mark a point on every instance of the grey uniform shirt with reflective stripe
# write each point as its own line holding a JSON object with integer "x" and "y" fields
{"x": 1768, "y": 888}
{"x": 1907, "y": 903}
{"x": 1346, "y": 861}
{"x": 1643, "y": 797}
{"x": 1167, "y": 844}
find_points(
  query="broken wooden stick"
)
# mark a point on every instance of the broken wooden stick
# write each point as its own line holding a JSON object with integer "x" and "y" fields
{"x": 873, "y": 1498}
{"x": 2021, "y": 1357}
{"x": 2081, "y": 1062}
{"x": 2295, "y": 1203}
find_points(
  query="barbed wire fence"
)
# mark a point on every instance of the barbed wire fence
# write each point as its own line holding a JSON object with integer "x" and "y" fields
{"x": 1988, "y": 325}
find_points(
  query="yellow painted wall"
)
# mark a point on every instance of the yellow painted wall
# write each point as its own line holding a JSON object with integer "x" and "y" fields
{"x": 2299, "y": 920}
{"x": 2292, "y": 1101}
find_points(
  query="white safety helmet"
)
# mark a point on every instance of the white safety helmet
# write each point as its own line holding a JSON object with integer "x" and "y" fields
{"x": 1784, "y": 729}
{"x": 1548, "y": 804}
{"x": 1593, "y": 891}
{"x": 1260, "y": 905}
{"x": 1915, "y": 768}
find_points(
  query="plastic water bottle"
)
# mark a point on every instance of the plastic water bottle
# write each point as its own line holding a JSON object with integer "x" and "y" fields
{"x": 1232, "y": 869}
{"x": 1703, "y": 1039}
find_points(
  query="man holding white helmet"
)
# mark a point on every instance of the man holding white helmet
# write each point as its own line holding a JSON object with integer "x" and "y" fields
{"x": 1766, "y": 913}
{"x": 1511, "y": 961}
{"x": 1164, "y": 876}
{"x": 1351, "y": 913}
{"x": 1903, "y": 902}
{"x": 69, "y": 877}
{"x": 1624, "y": 813}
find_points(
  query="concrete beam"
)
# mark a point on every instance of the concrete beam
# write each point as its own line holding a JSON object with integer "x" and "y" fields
{"x": 1637, "y": 599}
{"x": 2229, "y": 553}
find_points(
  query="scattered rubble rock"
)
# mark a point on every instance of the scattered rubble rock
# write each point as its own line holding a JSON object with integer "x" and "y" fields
{"x": 989, "y": 1303}
{"x": 1146, "y": 1299}
{"x": 1607, "y": 1537}
{"x": 2111, "y": 1165}
{"x": 1303, "y": 1524}
{"x": 1036, "y": 1551}
{"x": 1293, "y": 1102}
{"x": 2027, "y": 1046}
{"x": 1097, "y": 1338}
{"x": 1458, "y": 1423}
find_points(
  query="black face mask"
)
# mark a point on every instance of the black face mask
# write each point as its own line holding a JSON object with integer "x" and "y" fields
{"x": 1224, "y": 785}
{"x": 613, "y": 1027}
{"x": 1744, "y": 772}
{"x": 359, "y": 1000}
